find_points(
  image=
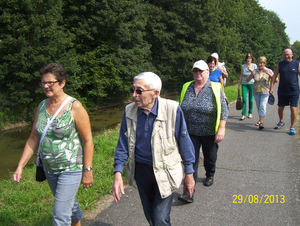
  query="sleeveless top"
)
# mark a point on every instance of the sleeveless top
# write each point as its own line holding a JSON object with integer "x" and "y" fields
{"x": 61, "y": 148}
{"x": 288, "y": 80}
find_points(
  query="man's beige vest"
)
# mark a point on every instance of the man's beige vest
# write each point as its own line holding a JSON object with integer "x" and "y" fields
{"x": 167, "y": 165}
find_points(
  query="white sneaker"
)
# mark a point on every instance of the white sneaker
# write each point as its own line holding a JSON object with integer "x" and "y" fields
{"x": 250, "y": 116}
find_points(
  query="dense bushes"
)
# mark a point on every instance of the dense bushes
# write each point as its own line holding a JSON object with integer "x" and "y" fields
{"x": 104, "y": 44}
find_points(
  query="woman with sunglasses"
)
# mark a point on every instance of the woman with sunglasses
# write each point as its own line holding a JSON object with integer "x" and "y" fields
{"x": 247, "y": 69}
{"x": 67, "y": 148}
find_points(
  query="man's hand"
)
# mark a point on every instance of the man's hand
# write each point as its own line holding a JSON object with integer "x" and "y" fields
{"x": 189, "y": 184}
{"x": 118, "y": 186}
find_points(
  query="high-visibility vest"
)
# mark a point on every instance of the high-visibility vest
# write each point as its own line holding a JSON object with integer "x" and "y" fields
{"x": 216, "y": 87}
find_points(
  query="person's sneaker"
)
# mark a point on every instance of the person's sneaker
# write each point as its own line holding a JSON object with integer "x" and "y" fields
{"x": 185, "y": 197}
{"x": 250, "y": 116}
{"x": 208, "y": 181}
{"x": 242, "y": 118}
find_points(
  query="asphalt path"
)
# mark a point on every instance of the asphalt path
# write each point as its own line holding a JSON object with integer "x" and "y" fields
{"x": 256, "y": 181}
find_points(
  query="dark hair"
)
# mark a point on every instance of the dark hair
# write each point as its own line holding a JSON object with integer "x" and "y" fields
{"x": 211, "y": 59}
{"x": 249, "y": 55}
{"x": 58, "y": 70}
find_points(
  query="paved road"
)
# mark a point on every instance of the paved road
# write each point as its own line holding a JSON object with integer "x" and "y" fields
{"x": 258, "y": 166}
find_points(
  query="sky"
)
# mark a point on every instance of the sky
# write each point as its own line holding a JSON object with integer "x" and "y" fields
{"x": 288, "y": 12}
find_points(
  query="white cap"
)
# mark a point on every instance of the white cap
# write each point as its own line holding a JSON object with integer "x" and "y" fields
{"x": 200, "y": 64}
{"x": 215, "y": 55}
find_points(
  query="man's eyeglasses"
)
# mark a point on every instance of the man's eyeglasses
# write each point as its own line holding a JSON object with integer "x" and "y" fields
{"x": 139, "y": 91}
{"x": 49, "y": 84}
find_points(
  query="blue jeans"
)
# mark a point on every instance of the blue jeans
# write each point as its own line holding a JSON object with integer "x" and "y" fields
{"x": 64, "y": 187}
{"x": 209, "y": 149}
{"x": 156, "y": 209}
{"x": 261, "y": 103}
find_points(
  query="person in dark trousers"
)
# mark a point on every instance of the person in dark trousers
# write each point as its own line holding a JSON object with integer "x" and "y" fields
{"x": 288, "y": 88}
{"x": 205, "y": 110}
{"x": 154, "y": 138}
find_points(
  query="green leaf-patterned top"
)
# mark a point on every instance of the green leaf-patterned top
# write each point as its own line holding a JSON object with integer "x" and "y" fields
{"x": 61, "y": 148}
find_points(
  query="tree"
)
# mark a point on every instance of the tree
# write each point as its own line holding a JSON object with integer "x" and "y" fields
{"x": 31, "y": 36}
{"x": 111, "y": 46}
{"x": 296, "y": 50}
{"x": 277, "y": 38}
{"x": 104, "y": 44}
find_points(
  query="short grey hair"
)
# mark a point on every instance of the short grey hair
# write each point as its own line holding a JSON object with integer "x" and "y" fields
{"x": 151, "y": 79}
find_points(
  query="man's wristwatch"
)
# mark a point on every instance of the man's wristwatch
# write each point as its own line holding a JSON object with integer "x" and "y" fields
{"x": 88, "y": 168}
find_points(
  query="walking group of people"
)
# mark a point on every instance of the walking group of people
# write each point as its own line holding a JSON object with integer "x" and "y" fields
{"x": 158, "y": 136}
{"x": 159, "y": 140}
{"x": 259, "y": 82}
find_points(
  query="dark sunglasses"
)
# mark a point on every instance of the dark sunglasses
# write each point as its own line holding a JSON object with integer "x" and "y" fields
{"x": 139, "y": 91}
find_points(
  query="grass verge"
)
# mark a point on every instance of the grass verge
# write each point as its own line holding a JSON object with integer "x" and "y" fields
{"x": 231, "y": 92}
{"x": 30, "y": 202}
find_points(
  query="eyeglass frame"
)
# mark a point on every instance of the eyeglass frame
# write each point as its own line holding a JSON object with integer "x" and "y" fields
{"x": 138, "y": 91}
{"x": 49, "y": 83}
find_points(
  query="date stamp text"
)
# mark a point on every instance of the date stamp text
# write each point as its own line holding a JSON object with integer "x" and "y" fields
{"x": 257, "y": 199}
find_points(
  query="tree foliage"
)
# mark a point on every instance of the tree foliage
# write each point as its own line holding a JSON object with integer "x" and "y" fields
{"x": 296, "y": 50}
{"x": 104, "y": 44}
{"x": 31, "y": 35}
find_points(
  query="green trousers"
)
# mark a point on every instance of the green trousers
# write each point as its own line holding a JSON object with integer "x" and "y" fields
{"x": 245, "y": 89}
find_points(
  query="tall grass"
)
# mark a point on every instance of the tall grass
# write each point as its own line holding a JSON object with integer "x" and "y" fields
{"x": 30, "y": 203}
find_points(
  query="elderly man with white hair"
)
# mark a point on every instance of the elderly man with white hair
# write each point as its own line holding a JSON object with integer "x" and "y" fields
{"x": 154, "y": 138}
{"x": 221, "y": 66}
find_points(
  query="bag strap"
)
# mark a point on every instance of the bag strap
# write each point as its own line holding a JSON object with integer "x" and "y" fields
{"x": 48, "y": 125}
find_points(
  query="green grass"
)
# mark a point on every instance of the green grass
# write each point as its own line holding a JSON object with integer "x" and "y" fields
{"x": 231, "y": 92}
{"x": 30, "y": 202}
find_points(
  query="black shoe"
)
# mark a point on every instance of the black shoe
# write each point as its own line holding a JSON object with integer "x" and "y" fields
{"x": 185, "y": 197}
{"x": 208, "y": 181}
